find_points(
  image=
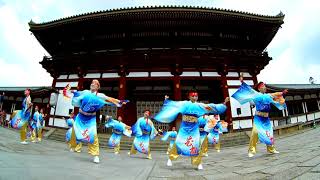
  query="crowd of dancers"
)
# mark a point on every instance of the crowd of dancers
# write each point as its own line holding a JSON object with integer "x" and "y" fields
{"x": 200, "y": 126}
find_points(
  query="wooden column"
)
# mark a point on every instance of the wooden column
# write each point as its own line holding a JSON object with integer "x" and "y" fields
{"x": 176, "y": 97}
{"x": 224, "y": 87}
{"x": 79, "y": 88}
{"x": 254, "y": 73}
{"x": 176, "y": 88}
{"x": 255, "y": 80}
{"x": 80, "y": 83}
{"x": 54, "y": 81}
{"x": 122, "y": 96}
{"x": 47, "y": 118}
{"x": 223, "y": 71}
{"x": 176, "y": 71}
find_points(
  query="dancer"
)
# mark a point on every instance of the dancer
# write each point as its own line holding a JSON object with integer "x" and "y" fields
{"x": 262, "y": 128}
{"x": 20, "y": 118}
{"x": 171, "y": 135}
{"x": 187, "y": 142}
{"x": 143, "y": 130}
{"x": 35, "y": 124}
{"x": 119, "y": 128}
{"x": 84, "y": 128}
{"x": 219, "y": 127}
{"x": 40, "y": 125}
{"x": 70, "y": 122}
{"x": 202, "y": 121}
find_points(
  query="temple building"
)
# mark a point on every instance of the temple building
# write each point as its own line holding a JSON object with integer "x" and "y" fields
{"x": 142, "y": 54}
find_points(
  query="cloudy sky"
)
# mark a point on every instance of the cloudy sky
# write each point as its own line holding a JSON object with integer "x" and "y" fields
{"x": 295, "y": 49}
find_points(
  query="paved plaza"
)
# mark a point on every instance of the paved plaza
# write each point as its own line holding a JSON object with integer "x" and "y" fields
{"x": 299, "y": 158}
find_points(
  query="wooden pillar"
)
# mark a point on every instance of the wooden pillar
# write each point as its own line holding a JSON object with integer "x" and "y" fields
{"x": 80, "y": 83}
{"x": 254, "y": 78}
{"x": 254, "y": 72}
{"x": 223, "y": 71}
{"x": 305, "y": 106}
{"x": 79, "y": 88}
{"x": 54, "y": 82}
{"x": 177, "y": 71}
{"x": 122, "y": 96}
{"x": 225, "y": 91}
{"x": 177, "y": 88}
{"x": 176, "y": 97}
{"x": 48, "y": 109}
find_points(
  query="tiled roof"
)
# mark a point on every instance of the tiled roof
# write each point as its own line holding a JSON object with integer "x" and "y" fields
{"x": 115, "y": 12}
{"x": 295, "y": 86}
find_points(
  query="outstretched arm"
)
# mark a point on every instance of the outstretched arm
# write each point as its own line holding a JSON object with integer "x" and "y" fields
{"x": 241, "y": 77}
{"x": 170, "y": 110}
{"x": 213, "y": 108}
{"x": 111, "y": 100}
{"x": 277, "y": 94}
{"x": 226, "y": 100}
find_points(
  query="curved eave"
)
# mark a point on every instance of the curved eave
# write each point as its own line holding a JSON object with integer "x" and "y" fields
{"x": 35, "y": 91}
{"x": 142, "y": 10}
{"x": 292, "y": 91}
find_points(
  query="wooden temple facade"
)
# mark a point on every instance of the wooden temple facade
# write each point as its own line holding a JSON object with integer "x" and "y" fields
{"x": 143, "y": 54}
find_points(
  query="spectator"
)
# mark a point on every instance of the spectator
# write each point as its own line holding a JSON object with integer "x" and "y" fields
{"x": 1, "y": 97}
{"x": 4, "y": 118}
{"x": 1, "y": 119}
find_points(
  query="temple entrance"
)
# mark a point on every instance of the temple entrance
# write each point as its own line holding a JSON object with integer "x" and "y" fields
{"x": 148, "y": 94}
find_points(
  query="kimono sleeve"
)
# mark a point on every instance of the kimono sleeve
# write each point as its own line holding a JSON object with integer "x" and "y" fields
{"x": 77, "y": 97}
{"x": 278, "y": 101}
{"x": 211, "y": 108}
{"x": 245, "y": 94}
{"x": 136, "y": 128}
{"x": 110, "y": 123}
{"x": 170, "y": 111}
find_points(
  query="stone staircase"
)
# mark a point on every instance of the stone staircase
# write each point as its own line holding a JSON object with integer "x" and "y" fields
{"x": 234, "y": 139}
{"x": 227, "y": 140}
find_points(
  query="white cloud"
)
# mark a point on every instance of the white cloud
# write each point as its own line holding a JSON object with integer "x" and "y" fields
{"x": 18, "y": 75}
{"x": 18, "y": 36}
{"x": 25, "y": 70}
{"x": 279, "y": 71}
{"x": 287, "y": 49}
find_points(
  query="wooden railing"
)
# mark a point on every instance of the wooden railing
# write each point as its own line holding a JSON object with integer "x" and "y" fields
{"x": 282, "y": 121}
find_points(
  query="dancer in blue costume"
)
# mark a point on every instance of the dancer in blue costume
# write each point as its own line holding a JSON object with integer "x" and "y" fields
{"x": 144, "y": 131}
{"x": 118, "y": 129}
{"x": 35, "y": 122}
{"x": 187, "y": 142}
{"x": 40, "y": 125}
{"x": 70, "y": 122}
{"x": 262, "y": 128}
{"x": 171, "y": 135}
{"x": 202, "y": 121}
{"x": 85, "y": 128}
{"x": 20, "y": 118}
{"x": 219, "y": 127}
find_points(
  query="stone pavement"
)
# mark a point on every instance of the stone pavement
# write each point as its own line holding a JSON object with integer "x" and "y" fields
{"x": 299, "y": 159}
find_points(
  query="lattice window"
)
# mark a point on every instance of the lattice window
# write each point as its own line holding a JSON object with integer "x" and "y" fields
{"x": 110, "y": 111}
{"x": 154, "y": 107}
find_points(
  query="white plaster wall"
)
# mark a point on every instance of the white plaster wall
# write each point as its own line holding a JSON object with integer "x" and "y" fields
{"x": 245, "y": 108}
